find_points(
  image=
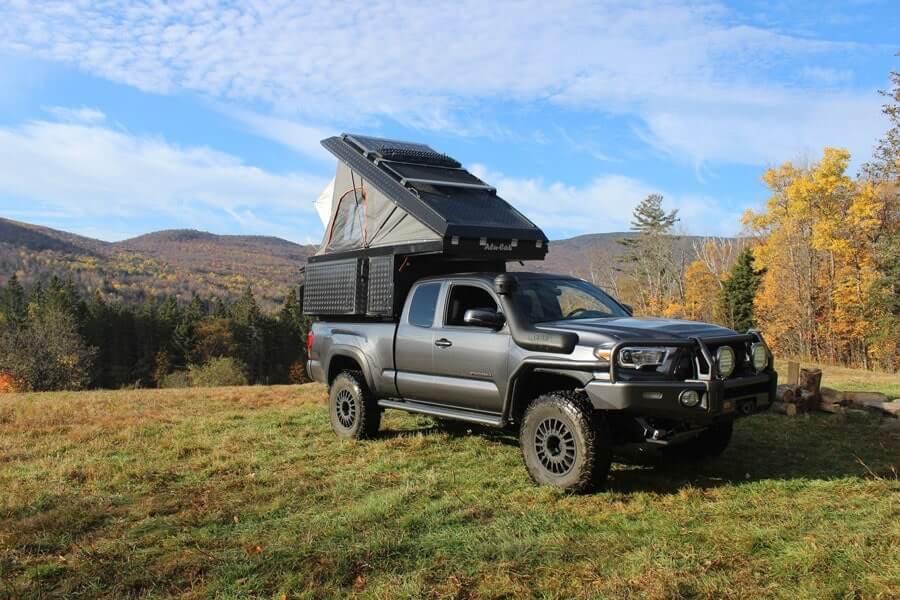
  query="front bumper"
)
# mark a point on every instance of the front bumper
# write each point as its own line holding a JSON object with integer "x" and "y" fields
{"x": 735, "y": 397}
{"x": 720, "y": 398}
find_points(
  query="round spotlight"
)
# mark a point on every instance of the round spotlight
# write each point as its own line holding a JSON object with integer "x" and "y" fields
{"x": 689, "y": 398}
{"x": 760, "y": 357}
{"x": 725, "y": 361}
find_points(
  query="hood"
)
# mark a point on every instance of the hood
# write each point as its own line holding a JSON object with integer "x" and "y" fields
{"x": 630, "y": 328}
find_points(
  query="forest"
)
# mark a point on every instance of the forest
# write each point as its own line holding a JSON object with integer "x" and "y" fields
{"x": 53, "y": 339}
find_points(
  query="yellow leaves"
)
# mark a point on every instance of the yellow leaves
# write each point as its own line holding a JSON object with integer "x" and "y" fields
{"x": 817, "y": 246}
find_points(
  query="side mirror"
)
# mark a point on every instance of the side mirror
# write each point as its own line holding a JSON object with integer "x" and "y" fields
{"x": 628, "y": 309}
{"x": 484, "y": 318}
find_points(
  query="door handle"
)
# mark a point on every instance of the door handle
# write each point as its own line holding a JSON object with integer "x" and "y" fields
{"x": 443, "y": 343}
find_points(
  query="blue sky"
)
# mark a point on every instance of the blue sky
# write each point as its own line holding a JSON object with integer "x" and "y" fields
{"x": 119, "y": 118}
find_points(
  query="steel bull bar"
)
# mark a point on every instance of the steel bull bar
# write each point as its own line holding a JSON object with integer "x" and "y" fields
{"x": 720, "y": 396}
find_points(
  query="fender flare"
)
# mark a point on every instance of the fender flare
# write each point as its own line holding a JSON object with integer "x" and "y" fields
{"x": 357, "y": 355}
{"x": 580, "y": 372}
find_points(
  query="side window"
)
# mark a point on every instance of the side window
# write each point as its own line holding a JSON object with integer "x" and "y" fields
{"x": 422, "y": 307}
{"x": 464, "y": 297}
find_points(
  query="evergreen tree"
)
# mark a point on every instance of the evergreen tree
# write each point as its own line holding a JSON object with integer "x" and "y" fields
{"x": 12, "y": 303}
{"x": 650, "y": 254}
{"x": 738, "y": 293}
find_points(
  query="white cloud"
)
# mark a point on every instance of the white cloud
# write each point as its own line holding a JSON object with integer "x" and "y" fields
{"x": 82, "y": 114}
{"x": 429, "y": 65}
{"x": 302, "y": 138}
{"x": 94, "y": 172}
{"x": 604, "y": 204}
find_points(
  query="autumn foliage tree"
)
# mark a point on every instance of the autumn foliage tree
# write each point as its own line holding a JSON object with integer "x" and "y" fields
{"x": 816, "y": 242}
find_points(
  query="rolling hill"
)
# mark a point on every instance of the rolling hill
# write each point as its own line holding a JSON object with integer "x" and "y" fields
{"x": 184, "y": 262}
{"x": 179, "y": 262}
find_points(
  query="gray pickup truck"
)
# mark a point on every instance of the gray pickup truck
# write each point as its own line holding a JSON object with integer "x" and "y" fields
{"x": 552, "y": 356}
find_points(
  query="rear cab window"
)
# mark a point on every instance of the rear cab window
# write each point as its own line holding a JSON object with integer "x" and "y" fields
{"x": 423, "y": 304}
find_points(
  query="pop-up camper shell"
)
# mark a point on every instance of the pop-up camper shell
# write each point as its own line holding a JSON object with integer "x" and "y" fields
{"x": 397, "y": 211}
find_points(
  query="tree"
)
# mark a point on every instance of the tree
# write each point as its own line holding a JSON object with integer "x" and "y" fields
{"x": 739, "y": 292}
{"x": 650, "y": 255}
{"x": 47, "y": 353}
{"x": 12, "y": 303}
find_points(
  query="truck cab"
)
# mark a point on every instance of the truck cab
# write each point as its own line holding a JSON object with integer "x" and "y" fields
{"x": 551, "y": 356}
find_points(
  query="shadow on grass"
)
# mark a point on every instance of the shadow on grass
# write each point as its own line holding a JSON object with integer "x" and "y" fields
{"x": 764, "y": 447}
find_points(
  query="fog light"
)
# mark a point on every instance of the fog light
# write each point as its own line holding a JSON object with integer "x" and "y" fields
{"x": 689, "y": 398}
{"x": 725, "y": 361}
{"x": 760, "y": 357}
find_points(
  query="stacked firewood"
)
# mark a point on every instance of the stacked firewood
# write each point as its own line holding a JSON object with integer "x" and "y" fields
{"x": 803, "y": 396}
{"x": 804, "y": 393}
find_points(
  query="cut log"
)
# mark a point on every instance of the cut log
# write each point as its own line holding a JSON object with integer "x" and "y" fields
{"x": 807, "y": 400}
{"x": 785, "y": 393}
{"x": 784, "y": 408}
{"x": 832, "y": 396}
{"x": 861, "y": 397}
{"x": 831, "y": 407}
{"x": 811, "y": 380}
{"x": 793, "y": 373}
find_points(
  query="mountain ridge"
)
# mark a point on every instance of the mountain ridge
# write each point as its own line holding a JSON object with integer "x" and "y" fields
{"x": 188, "y": 261}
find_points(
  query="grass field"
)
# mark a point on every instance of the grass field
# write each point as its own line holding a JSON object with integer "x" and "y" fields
{"x": 244, "y": 492}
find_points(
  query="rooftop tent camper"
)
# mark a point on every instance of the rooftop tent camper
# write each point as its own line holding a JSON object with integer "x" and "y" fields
{"x": 399, "y": 210}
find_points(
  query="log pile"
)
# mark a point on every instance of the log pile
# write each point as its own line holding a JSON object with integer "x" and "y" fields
{"x": 804, "y": 392}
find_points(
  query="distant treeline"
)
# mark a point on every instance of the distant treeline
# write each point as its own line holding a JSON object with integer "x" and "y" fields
{"x": 52, "y": 337}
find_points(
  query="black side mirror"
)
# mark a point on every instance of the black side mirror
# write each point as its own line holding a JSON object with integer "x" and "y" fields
{"x": 484, "y": 318}
{"x": 628, "y": 309}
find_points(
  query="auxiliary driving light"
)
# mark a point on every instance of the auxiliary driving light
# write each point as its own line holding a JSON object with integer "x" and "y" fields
{"x": 689, "y": 398}
{"x": 725, "y": 361}
{"x": 760, "y": 357}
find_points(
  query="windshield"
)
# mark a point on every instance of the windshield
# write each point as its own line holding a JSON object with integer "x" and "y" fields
{"x": 541, "y": 300}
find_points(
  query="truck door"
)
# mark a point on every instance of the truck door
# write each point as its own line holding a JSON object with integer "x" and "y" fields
{"x": 471, "y": 362}
{"x": 415, "y": 342}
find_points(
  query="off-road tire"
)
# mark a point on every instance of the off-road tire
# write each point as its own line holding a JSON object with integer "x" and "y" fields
{"x": 565, "y": 443}
{"x": 353, "y": 409}
{"x": 709, "y": 444}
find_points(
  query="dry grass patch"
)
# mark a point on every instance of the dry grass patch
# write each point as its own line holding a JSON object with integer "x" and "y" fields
{"x": 245, "y": 492}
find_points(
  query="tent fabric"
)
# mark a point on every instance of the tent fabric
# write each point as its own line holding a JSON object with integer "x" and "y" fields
{"x": 363, "y": 217}
{"x": 324, "y": 201}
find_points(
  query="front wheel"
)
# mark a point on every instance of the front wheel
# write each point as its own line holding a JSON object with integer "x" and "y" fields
{"x": 564, "y": 443}
{"x": 354, "y": 410}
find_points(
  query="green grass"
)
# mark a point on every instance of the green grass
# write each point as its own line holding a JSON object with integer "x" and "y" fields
{"x": 245, "y": 492}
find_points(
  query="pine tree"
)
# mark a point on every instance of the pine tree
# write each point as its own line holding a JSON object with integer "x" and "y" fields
{"x": 738, "y": 293}
{"x": 12, "y": 302}
{"x": 650, "y": 254}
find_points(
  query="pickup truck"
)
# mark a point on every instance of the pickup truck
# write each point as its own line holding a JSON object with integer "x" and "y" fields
{"x": 549, "y": 356}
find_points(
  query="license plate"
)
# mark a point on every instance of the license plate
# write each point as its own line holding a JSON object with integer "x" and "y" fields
{"x": 728, "y": 406}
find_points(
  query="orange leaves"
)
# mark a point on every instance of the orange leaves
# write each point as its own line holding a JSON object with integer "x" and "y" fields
{"x": 7, "y": 383}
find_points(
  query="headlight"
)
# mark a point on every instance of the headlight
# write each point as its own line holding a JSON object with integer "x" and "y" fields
{"x": 637, "y": 357}
{"x": 725, "y": 360}
{"x": 760, "y": 357}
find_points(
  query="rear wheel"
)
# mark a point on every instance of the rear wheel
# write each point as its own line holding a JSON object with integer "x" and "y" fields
{"x": 564, "y": 442}
{"x": 711, "y": 442}
{"x": 353, "y": 409}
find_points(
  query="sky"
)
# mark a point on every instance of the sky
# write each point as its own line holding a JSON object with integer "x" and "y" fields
{"x": 121, "y": 118}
